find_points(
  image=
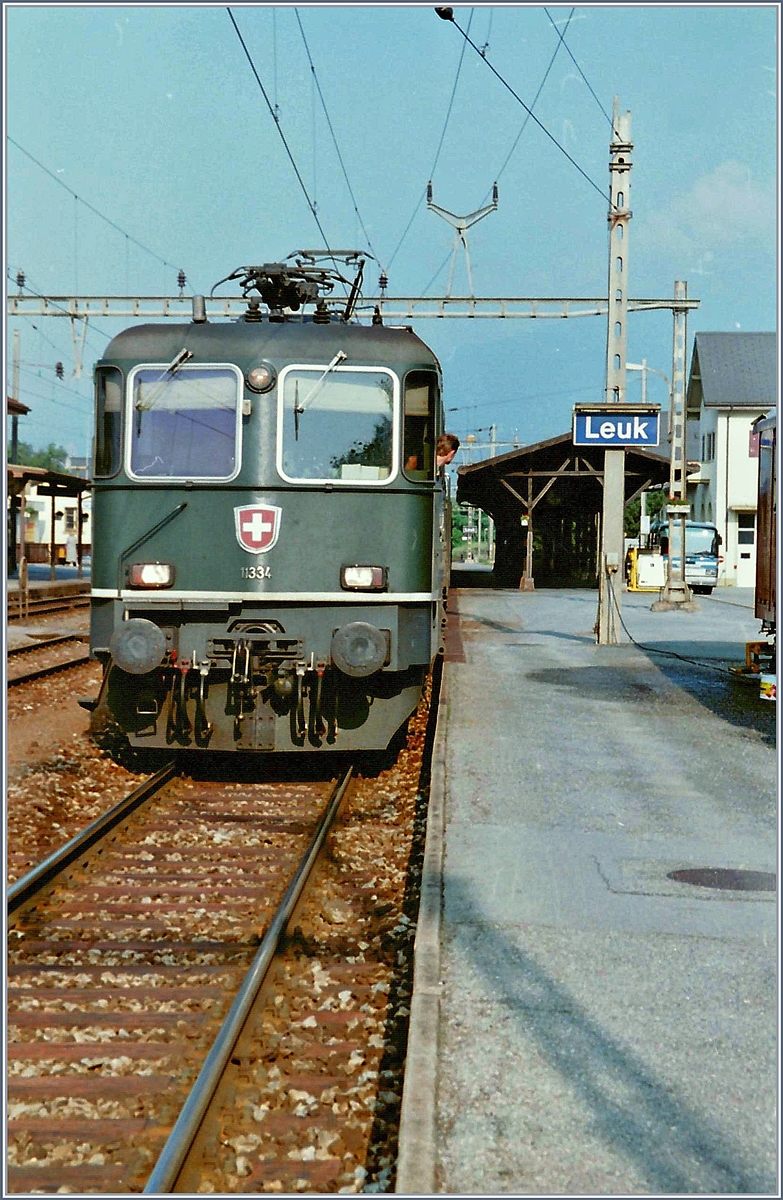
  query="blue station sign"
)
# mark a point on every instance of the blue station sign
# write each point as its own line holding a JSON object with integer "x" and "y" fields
{"x": 611, "y": 425}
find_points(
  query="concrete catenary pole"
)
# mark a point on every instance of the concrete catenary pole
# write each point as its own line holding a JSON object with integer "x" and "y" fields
{"x": 612, "y": 525}
{"x": 676, "y": 590}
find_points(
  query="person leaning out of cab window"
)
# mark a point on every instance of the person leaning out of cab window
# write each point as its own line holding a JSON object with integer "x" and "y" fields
{"x": 447, "y": 446}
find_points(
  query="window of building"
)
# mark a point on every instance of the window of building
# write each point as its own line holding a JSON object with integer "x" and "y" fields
{"x": 746, "y": 528}
{"x": 185, "y": 424}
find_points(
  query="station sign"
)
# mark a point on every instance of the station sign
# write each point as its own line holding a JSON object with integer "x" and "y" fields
{"x": 614, "y": 425}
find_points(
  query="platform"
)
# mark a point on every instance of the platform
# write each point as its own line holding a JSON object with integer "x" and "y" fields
{"x": 583, "y": 1024}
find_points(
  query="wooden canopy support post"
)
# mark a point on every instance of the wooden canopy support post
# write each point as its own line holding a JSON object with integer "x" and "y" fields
{"x": 526, "y": 582}
{"x": 53, "y": 539}
{"x": 79, "y": 531}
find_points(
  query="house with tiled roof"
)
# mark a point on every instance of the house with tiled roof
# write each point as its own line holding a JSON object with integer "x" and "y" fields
{"x": 733, "y": 381}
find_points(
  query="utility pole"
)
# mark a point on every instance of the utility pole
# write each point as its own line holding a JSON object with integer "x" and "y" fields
{"x": 15, "y": 391}
{"x": 612, "y": 524}
{"x": 676, "y": 592}
{"x": 490, "y": 523}
{"x": 17, "y": 506}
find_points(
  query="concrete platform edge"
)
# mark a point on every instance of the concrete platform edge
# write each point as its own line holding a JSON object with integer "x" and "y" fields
{"x": 417, "y": 1155}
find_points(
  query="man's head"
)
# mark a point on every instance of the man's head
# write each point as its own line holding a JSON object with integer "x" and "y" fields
{"x": 447, "y": 447}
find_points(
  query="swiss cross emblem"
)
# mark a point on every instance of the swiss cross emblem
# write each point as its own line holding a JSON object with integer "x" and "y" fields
{"x": 257, "y": 526}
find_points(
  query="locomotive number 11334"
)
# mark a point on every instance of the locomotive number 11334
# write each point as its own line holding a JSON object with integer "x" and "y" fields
{"x": 256, "y": 572}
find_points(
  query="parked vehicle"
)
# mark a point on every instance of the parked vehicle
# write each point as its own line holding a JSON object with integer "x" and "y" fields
{"x": 702, "y": 551}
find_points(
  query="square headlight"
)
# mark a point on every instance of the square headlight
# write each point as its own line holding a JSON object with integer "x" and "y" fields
{"x": 151, "y": 575}
{"x": 363, "y": 579}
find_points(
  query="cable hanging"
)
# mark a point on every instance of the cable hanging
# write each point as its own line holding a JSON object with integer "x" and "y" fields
{"x": 576, "y": 64}
{"x": 437, "y": 155}
{"x": 334, "y": 140}
{"x": 508, "y": 157}
{"x": 528, "y": 110}
{"x": 80, "y": 200}
{"x": 276, "y": 118}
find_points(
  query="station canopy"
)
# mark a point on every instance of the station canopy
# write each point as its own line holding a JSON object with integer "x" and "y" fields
{"x": 546, "y": 502}
{"x": 47, "y": 483}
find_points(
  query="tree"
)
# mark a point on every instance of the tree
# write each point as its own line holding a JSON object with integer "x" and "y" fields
{"x": 459, "y": 519}
{"x": 53, "y": 458}
{"x": 655, "y": 502}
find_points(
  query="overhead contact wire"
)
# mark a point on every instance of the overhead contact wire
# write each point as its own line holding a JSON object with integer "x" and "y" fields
{"x": 519, "y": 135}
{"x": 528, "y": 110}
{"x": 91, "y": 207}
{"x": 576, "y": 64}
{"x": 276, "y": 119}
{"x": 334, "y": 137}
{"x": 535, "y": 98}
{"x": 437, "y": 154}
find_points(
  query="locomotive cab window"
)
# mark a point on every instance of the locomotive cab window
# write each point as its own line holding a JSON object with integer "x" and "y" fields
{"x": 336, "y": 424}
{"x": 108, "y": 420}
{"x": 419, "y": 407}
{"x": 185, "y": 422}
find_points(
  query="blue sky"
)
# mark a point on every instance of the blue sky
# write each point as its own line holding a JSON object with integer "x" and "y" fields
{"x": 151, "y": 115}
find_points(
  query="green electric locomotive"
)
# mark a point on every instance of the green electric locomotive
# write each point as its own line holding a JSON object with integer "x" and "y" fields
{"x": 269, "y": 548}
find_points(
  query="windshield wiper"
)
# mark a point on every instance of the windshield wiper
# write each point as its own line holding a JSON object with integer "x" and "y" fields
{"x": 169, "y": 371}
{"x": 339, "y": 357}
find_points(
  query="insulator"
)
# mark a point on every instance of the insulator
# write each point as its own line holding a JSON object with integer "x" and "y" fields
{"x": 181, "y": 280}
{"x": 20, "y": 279}
{"x": 494, "y": 193}
{"x": 59, "y": 370}
{"x": 383, "y": 281}
{"x": 429, "y": 192}
{"x": 377, "y": 319}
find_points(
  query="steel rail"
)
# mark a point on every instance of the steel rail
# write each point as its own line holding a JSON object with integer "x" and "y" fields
{"x": 47, "y": 643}
{"x": 42, "y": 672}
{"x": 167, "y": 1168}
{"x": 31, "y": 883}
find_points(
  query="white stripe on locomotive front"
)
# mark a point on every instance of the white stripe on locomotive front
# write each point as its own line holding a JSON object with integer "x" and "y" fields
{"x": 163, "y": 597}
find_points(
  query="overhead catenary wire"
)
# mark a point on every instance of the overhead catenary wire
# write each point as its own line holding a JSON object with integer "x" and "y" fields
{"x": 508, "y": 157}
{"x": 527, "y": 109}
{"x": 276, "y": 118}
{"x": 437, "y": 152}
{"x": 33, "y": 291}
{"x": 576, "y": 64}
{"x": 334, "y": 140}
{"x": 91, "y": 207}
{"x": 560, "y": 43}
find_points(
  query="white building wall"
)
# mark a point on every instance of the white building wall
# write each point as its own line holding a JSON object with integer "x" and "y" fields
{"x": 38, "y": 518}
{"x": 734, "y": 487}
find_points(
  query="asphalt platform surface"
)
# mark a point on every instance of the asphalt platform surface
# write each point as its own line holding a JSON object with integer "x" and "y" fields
{"x": 583, "y": 1024}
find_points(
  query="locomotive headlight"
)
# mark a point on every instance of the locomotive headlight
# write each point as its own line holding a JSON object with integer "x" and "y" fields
{"x": 151, "y": 575}
{"x": 363, "y": 579}
{"x": 261, "y": 378}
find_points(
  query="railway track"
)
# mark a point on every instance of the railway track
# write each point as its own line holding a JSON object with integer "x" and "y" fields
{"x": 52, "y": 659}
{"x": 127, "y": 948}
{"x": 45, "y": 606}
